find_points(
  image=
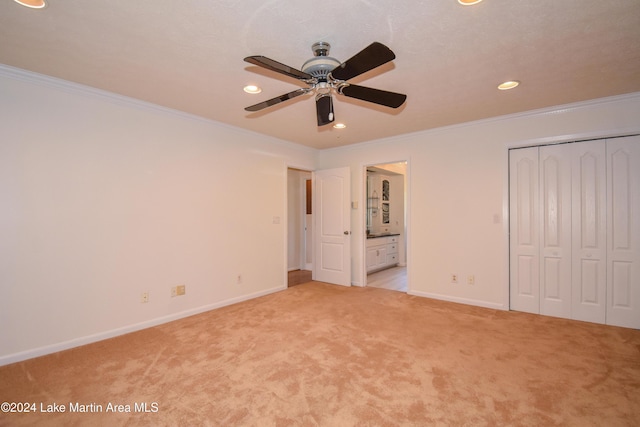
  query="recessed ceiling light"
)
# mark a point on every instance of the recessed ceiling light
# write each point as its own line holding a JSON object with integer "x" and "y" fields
{"x": 468, "y": 2}
{"x": 508, "y": 85}
{"x": 252, "y": 89}
{"x": 33, "y": 4}
{"x": 339, "y": 126}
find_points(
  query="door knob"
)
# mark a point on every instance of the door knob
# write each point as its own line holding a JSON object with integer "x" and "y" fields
{"x": 346, "y": 233}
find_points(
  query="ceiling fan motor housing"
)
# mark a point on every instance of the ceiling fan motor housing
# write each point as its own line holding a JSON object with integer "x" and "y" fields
{"x": 325, "y": 75}
{"x": 320, "y": 65}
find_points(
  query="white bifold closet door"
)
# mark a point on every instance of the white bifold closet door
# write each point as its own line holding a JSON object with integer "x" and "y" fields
{"x": 574, "y": 230}
{"x": 588, "y": 231}
{"x": 524, "y": 230}
{"x": 623, "y": 232}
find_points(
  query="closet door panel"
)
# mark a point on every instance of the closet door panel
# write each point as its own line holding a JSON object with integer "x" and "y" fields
{"x": 524, "y": 230}
{"x": 621, "y": 290}
{"x": 555, "y": 239}
{"x": 623, "y": 245}
{"x": 527, "y": 286}
{"x": 589, "y": 220}
{"x": 552, "y": 280}
{"x": 590, "y": 287}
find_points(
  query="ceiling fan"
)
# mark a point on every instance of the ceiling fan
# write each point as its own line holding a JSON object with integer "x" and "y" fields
{"x": 325, "y": 75}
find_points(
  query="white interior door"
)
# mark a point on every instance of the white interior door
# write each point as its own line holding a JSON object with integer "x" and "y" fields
{"x": 332, "y": 215}
{"x": 623, "y": 253}
{"x": 524, "y": 233}
{"x": 589, "y": 278}
{"x": 586, "y": 235}
{"x": 555, "y": 230}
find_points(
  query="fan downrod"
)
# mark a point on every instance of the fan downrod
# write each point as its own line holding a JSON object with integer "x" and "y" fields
{"x": 320, "y": 48}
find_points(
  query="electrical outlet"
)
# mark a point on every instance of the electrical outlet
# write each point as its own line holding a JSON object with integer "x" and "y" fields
{"x": 454, "y": 278}
{"x": 471, "y": 280}
{"x": 144, "y": 297}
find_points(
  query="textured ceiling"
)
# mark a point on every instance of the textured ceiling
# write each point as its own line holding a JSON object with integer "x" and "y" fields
{"x": 188, "y": 55}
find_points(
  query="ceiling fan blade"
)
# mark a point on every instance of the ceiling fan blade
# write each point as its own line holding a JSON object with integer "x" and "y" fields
{"x": 277, "y": 100}
{"x": 377, "y": 96}
{"x": 370, "y": 57}
{"x": 270, "y": 64}
{"x": 324, "y": 109}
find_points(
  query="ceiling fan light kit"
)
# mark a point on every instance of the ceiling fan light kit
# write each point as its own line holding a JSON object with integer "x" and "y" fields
{"x": 326, "y": 75}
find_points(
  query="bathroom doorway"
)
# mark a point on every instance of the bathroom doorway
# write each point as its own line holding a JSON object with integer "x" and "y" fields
{"x": 386, "y": 225}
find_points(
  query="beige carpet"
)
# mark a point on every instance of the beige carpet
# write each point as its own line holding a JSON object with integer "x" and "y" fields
{"x": 324, "y": 355}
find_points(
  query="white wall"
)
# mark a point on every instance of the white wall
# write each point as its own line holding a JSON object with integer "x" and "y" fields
{"x": 103, "y": 198}
{"x": 457, "y": 187}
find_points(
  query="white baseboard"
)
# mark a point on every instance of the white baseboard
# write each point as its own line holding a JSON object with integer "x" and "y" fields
{"x": 467, "y": 301}
{"x": 77, "y": 342}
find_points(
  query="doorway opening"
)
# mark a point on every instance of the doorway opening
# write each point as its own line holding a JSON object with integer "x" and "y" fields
{"x": 299, "y": 226}
{"x": 385, "y": 246}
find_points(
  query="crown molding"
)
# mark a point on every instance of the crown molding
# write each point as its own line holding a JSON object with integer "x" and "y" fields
{"x": 556, "y": 109}
{"x": 114, "y": 98}
{"x": 67, "y": 86}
